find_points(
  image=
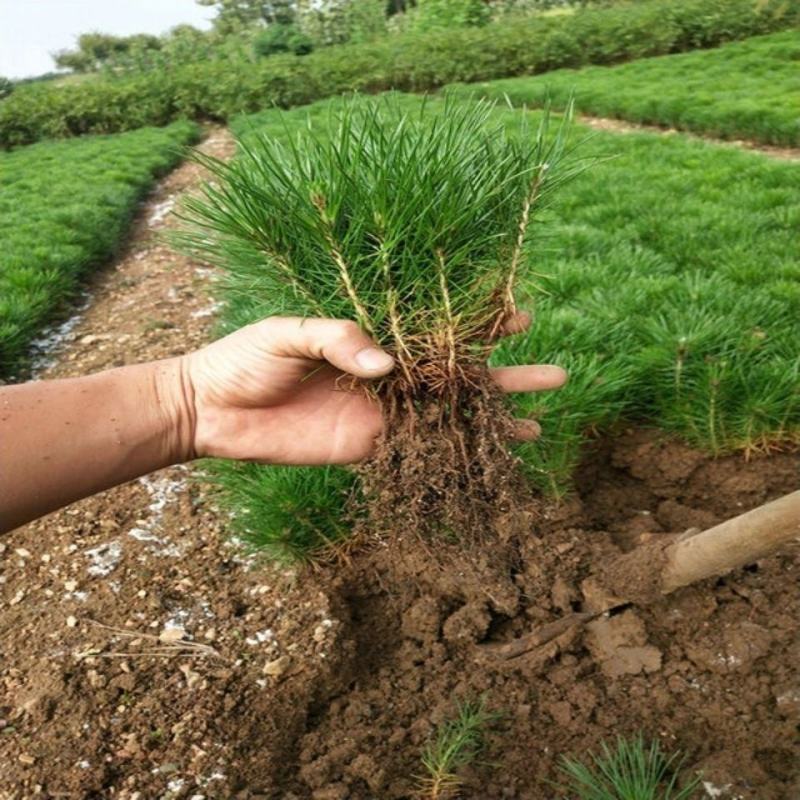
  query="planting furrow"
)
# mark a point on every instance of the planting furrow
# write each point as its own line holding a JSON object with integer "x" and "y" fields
{"x": 611, "y": 125}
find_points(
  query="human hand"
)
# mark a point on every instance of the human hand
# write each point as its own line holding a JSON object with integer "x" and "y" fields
{"x": 269, "y": 392}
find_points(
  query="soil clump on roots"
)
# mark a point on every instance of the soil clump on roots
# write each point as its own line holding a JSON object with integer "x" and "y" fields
{"x": 442, "y": 469}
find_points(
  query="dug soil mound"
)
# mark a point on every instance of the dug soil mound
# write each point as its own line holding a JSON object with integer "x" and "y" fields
{"x": 328, "y": 687}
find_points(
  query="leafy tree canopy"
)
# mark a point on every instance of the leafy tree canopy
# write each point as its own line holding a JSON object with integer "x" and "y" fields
{"x": 96, "y": 49}
{"x": 235, "y": 15}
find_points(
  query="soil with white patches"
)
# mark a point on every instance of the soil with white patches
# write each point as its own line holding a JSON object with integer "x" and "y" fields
{"x": 142, "y": 655}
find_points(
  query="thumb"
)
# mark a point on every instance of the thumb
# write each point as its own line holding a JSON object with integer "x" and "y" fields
{"x": 340, "y": 342}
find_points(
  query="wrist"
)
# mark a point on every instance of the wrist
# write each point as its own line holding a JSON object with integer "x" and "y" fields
{"x": 175, "y": 409}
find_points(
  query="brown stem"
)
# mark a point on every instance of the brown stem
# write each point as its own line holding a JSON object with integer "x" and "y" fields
{"x": 509, "y": 306}
{"x": 344, "y": 272}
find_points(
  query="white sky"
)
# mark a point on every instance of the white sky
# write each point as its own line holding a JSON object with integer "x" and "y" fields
{"x": 32, "y": 29}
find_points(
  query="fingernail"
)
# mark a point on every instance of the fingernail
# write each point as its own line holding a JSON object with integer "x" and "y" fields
{"x": 372, "y": 359}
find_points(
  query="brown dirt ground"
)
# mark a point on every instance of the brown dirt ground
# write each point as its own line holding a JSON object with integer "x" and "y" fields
{"x": 142, "y": 655}
{"x": 623, "y": 126}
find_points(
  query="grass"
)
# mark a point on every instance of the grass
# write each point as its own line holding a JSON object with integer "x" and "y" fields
{"x": 743, "y": 90}
{"x": 629, "y": 771}
{"x": 65, "y": 208}
{"x": 456, "y": 744}
{"x": 668, "y": 284}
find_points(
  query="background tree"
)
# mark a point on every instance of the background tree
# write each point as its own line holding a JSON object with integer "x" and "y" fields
{"x": 282, "y": 38}
{"x": 431, "y": 14}
{"x": 6, "y": 87}
{"x": 338, "y": 21}
{"x": 96, "y": 49}
{"x": 237, "y": 15}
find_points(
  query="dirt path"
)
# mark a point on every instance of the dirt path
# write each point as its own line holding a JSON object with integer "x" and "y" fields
{"x": 148, "y": 559}
{"x": 621, "y": 126}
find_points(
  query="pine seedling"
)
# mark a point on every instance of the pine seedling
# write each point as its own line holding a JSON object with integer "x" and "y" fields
{"x": 456, "y": 743}
{"x": 630, "y": 771}
{"x": 290, "y": 515}
{"x": 411, "y": 222}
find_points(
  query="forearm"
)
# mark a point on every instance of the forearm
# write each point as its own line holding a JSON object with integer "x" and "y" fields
{"x": 67, "y": 439}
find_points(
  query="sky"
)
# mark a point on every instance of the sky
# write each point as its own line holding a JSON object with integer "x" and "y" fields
{"x": 32, "y": 29}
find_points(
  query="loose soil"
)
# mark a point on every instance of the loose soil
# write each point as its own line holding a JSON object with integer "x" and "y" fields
{"x": 144, "y": 655}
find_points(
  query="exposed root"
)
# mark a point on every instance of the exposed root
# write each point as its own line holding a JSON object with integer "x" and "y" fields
{"x": 439, "y": 787}
{"x": 442, "y": 467}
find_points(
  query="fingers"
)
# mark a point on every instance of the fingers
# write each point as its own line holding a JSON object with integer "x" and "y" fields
{"x": 516, "y": 323}
{"x": 530, "y": 378}
{"x": 340, "y": 342}
{"x": 526, "y": 430}
{"x": 350, "y": 349}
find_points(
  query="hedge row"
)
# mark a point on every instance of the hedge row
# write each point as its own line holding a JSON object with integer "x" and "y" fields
{"x": 217, "y": 90}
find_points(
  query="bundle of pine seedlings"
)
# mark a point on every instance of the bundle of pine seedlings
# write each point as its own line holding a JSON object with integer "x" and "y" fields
{"x": 413, "y": 223}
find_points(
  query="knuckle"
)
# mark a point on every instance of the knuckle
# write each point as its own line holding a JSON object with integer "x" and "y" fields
{"x": 346, "y": 330}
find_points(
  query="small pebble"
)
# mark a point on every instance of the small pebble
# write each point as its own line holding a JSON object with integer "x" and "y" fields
{"x": 171, "y": 634}
{"x": 277, "y": 667}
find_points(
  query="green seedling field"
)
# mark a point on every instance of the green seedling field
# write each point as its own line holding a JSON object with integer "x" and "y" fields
{"x": 65, "y": 208}
{"x": 743, "y": 90}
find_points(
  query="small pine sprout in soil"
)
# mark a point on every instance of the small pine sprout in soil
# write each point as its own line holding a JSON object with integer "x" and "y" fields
{"x": 456, "y": 744}
{"x": 414, "y": 224}
{"x": 630, "y": 771}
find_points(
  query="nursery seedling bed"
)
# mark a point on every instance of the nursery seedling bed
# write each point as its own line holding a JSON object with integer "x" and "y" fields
{"x": 364, "y": 662}
{"x": 144, "y": 656}
{"x": 742, "y": 90}
{"x": 66, "y": 208}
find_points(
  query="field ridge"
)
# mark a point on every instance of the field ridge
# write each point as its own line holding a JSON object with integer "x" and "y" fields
{"x": 622, "y": 126}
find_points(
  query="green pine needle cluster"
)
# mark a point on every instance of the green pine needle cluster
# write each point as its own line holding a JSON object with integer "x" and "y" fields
{"x": 631, "y": 770}
{"x": 290, "y": 515}
{"x": 411, "y": 221}
{"x": 457, "y": 743}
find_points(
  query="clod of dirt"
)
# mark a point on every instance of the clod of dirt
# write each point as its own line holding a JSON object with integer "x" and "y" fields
{"x": 733, "y": 648}
{"x": 467, "y": 625}
{"x": 619, "y": 644}
{"x": 442, "y": 467}
{"x": 637, "y": 576}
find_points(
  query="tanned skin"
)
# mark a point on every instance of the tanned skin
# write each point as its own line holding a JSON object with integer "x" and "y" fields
{"x": 268, "y": 393}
